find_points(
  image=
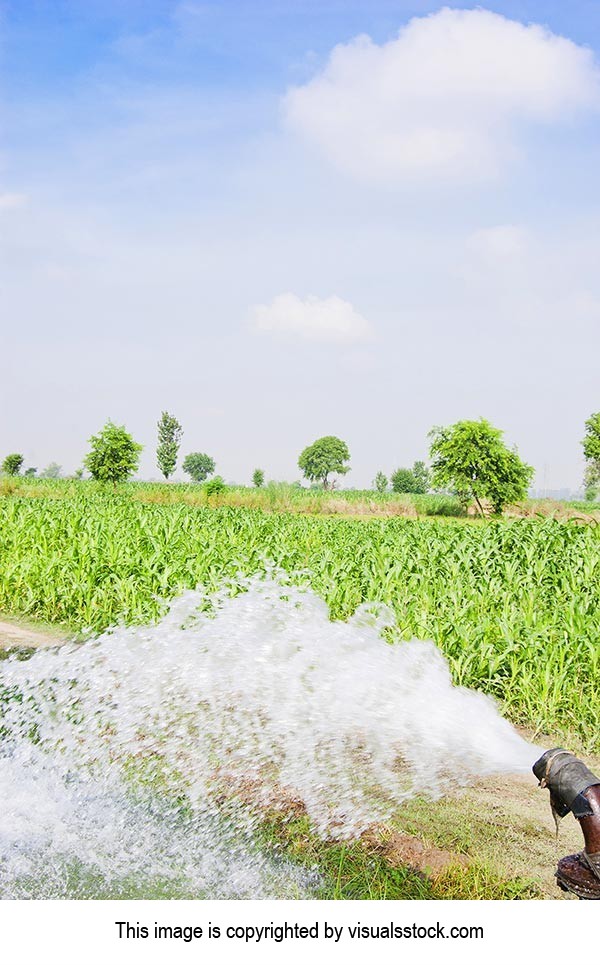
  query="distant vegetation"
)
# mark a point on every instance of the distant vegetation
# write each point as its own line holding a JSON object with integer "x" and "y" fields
{"x": 11, "y": 465}
{"x": 169, "y": 438}
{"x": 381, "y": 482}
{"x": 325, "y": 456}
{"x": 415, "y": 480}
{"x": 114, "y": 455}
{"x": 279, "y": 497}
{"x": 214, "y": 487}
{"x": 469, "y": 461}
{"x": 198, "y": 465}
{"x": 52, "y": 471}
{"x": 591, "y": 451}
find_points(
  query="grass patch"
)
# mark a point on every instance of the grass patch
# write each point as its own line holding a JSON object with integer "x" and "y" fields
{"x": 353, "y": 870}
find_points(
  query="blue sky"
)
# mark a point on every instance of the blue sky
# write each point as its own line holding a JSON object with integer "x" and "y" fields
{"x": 241, "y": 213}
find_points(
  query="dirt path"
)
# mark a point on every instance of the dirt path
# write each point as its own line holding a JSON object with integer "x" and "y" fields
{"x": 17, "y": 634}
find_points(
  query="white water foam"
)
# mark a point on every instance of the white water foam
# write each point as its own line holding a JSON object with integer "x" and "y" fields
{"x": 125, "y": 756}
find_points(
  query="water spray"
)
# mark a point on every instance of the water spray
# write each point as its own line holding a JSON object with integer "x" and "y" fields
{"x": 573, "y": 787}
{"x": 152, "y": 752}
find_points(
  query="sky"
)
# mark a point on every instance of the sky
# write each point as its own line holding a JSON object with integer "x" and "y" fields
{"x": 283, "y": 220}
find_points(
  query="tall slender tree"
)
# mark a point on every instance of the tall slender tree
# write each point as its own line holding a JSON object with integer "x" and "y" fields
{"x": 380, "y": 482}
{"x": 169, "y": 438}
{"x": 591, "y": 451}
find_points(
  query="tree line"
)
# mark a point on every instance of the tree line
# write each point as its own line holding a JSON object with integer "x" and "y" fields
{"x": 468, "y": 458}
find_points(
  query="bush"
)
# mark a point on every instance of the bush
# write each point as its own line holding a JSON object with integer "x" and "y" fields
{"x": 403, "y": 481}
{"x": 216, "y": 486}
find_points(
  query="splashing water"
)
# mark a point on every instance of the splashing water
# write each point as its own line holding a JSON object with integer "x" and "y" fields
{"x": 130, "y": 762}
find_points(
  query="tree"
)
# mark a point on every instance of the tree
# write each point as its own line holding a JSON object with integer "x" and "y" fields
{"x": 380, "y": 482}
{"x": 12, "y": 464}
{"x": 471, "y": 458}
{"x": 169, "y": 438}
{"x": 591, "y": 451}
{"x": 403, "y": 481}
{"x": 421, "y": 475}
{"x": 51, "y": 472}
{"x": 258, "y": 478}
{"x": 31, "y": 471}
{"x": 591, "y": 443}
{"x": 198, "y": 465}
{"x": 591, "y": 482}
{"x": 326, "y": 455}
{"x": 114, "y": 455}
{"x": 415, "y": 480}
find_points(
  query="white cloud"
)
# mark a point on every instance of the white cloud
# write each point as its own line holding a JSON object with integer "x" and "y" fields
{"x": 447, "y": 97}
{"x": 9, "y": 201}
{"x": 318, "y": 319}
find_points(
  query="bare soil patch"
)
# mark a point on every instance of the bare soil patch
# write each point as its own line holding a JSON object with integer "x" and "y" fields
{"x": 20, "y": 635}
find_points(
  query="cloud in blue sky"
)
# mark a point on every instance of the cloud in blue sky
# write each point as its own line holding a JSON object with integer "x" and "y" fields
{"x": 329, "y": 319}
{"x": 446, "y": 98}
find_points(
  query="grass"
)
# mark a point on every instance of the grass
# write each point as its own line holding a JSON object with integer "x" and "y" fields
{"x": 355, "y": 871}
{"x": 295, "y": 498}
{"x": 274, "y": 497}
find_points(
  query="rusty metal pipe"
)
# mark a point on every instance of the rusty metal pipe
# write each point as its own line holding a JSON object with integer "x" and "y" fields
{"x": 590, "y": 823}
{"x": 573, "y": 787}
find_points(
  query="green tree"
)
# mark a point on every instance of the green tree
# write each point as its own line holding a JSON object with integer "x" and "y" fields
{"x": 472, "y": 459}
{"x": 198, "y": 465}
{"x": 380, "y": 482}
{"x": 403, "y": 481}
{"x": 169, "y": 438}
{"x": 12, "y": 464}
{"x": 51, "y": 472}
{"x": 114, "y": 455}
{"x": 591, "y": 451}
{"x": 421, "y": 474}
{"x": 324, "y": 456}
{"x": 415, "y": 480}
{"x": 31, "y": 471}
{"x": 591, "y": 482}
{"x": 258, "y": 478}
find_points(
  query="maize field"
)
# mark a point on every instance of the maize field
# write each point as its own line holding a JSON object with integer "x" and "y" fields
{"x": 514, "y": 605}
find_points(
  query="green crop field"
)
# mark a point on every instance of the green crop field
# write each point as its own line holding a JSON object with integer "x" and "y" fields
{"x": 513, "y": 603}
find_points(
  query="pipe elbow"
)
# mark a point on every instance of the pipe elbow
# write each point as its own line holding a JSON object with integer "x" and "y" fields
{"x": 568, "y": 779}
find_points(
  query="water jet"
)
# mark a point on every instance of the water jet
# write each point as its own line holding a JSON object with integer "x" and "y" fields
{"x": 131, "y": 757}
